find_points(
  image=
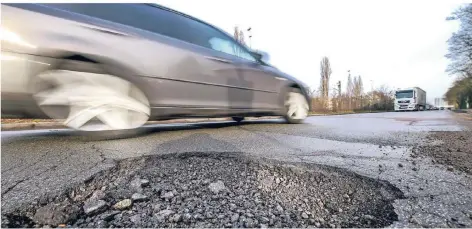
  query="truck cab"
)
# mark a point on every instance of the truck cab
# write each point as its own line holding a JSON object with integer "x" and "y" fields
{"x": 410, "y": 99}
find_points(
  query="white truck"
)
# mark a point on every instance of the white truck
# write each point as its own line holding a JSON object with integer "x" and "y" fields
{"x": 410, "y": 99}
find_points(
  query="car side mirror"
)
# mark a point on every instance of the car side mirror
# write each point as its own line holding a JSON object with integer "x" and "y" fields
{"x": 261, "y": 55}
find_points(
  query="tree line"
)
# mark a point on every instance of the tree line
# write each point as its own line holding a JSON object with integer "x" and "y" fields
{"x": 460, "y": 55}
{"x": 353, "y": 98}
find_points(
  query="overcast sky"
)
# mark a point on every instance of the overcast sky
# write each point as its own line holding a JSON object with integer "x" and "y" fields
{"x": 394, "y": 43}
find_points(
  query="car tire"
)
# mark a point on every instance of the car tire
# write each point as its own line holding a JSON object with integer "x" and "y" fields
{"x": 296, "y": 106}
{"x": 80, "y": 93}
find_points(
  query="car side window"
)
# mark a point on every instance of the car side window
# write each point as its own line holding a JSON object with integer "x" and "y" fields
{"x": 160, "y": 21}
{"x": 134, "y": 15}
{"x": 201, "y": 34}
{"x": 229, "y": 47}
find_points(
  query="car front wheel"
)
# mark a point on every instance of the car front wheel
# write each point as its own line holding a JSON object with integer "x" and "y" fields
{"x": 296, "y": 107}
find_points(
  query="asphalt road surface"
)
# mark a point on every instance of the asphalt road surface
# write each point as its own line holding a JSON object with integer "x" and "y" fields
{"x": 379, "y": 145}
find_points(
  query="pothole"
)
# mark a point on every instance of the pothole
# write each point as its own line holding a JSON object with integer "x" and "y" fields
{"x": 216, "y": 190}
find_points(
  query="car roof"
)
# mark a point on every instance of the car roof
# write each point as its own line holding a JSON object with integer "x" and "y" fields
{"x": 185, "y": 15}
{"x": 147, "y": 4}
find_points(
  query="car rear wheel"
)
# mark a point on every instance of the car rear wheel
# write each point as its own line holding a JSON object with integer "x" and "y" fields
{"x": 296, "y": 107}
{"x": 91, "y": 101}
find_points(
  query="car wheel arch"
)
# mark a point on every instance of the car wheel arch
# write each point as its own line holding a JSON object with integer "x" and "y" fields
{"x": 294, "y": 85}
{"x": 286, "y": 88}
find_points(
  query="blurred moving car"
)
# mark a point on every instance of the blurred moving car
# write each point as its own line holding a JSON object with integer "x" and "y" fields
{"x": 116, "y": 66}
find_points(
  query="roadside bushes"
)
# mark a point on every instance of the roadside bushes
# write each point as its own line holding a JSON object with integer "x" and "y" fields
{"x": 381, "y": 99}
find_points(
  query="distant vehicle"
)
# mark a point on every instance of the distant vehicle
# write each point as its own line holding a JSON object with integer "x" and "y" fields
{"x": 110, "y": 66}
{"x": 442, "y": 108}
{"x": 410, "y": 99}
{"x": 442, "y": 102}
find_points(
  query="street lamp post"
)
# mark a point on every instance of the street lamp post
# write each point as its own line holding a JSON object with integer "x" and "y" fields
{"x": 250, "y": 36}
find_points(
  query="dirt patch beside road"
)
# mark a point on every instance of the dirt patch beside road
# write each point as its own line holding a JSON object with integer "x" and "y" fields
{"x": 216, "y": 190}
{"x": 454, "y": 149}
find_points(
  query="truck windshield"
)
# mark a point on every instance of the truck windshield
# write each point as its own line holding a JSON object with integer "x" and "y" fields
{"x": 404, "y": 94}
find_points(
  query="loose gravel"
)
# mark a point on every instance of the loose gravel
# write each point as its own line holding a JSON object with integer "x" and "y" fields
{"x": 216, "y": 190}
{"x": 453, "y": 149}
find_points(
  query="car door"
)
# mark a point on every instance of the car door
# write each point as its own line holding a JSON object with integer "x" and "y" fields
{"x": 222, "y": 56}
{"x": 240, "y": 89}
{"x": 266, "y": 85}
{"x": 259, "y": 83}
{"x": 255, "y": 86}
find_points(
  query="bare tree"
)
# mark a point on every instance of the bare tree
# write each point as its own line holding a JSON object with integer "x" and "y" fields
{"x": 460, "y": 43}
{"x": 350, "y": 86}
{"x": 236, "y": 33}
{"x": 355, "y": 92}
{"x": 311, "y": 92}
{"x": 355, "y": 85}
{"x": 349, "y": 90}
{"x": 385, "y": 98}
{"x": 238, "y": 36}
{"x": 325, "y": 71}
{"x": 241, "y": 37}
{"x": 360, "y": 85}
{"x": 360, "y": 91}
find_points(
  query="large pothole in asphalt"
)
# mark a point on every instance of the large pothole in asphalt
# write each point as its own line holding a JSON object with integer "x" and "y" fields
{"x": 216, "y": 190}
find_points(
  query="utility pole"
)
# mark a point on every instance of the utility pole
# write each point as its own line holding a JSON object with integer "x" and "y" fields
{"x": 339, "y": 88}
{"x": 339, "y": 95}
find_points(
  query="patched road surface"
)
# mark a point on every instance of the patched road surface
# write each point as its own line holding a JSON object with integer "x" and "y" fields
{"x": 381, "y": 154}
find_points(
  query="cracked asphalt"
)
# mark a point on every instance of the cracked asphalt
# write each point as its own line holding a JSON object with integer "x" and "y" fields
{"x": 39, "y": 164}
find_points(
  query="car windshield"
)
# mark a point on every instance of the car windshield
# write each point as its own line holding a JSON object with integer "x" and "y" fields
{"x": 404, "y": 94}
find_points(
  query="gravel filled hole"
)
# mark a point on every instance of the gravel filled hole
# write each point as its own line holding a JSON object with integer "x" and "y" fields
{"x": 216, "y": 190}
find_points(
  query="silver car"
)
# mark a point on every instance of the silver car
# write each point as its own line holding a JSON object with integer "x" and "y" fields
{"x": 117, "y": 66}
